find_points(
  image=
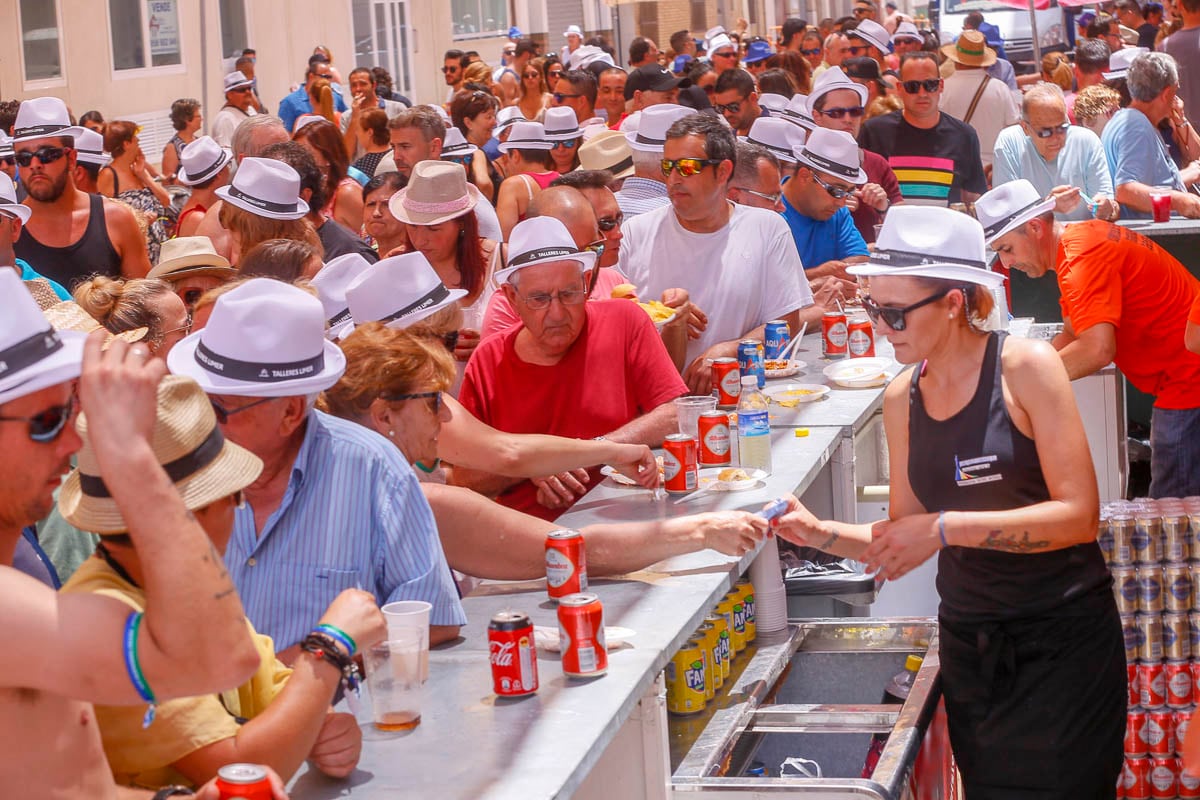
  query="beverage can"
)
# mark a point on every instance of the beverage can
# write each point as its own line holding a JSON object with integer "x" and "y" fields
{"x": 1147, "y": 540}
{"x": 1135, "y": 723}
{"x": 513, "y": 654}
{"x": 1176, "y": 637}
{"x": 685, "y": 679}
{"x": 1125, "y": 589}
{"x": 719, "y": 658}
{"x": 738, "y": 614}
{"x": 679, "y": 463}
{"x": 1183, "y": 718}
{"x": 707, "y": 634}
{"x": 725, "y": 609}
{"x": 860, "y": 337}
{"x": 1194, "y": 667}
{"x": 1121, "y": 528}
{"x": 1177, "y": 677}
{"x": 1104, "y": 538}
{"x": 727, "y": 378}
{"x": 1160, "y": 732}
{"x": 1131, "y": 679}
{"x": 566, "y": 564}
{"x": 1194, "y": 536}
{"x": 1150, "y": 637}
{"x": 1149, "y": 578}
{"x": 1137, "y": 778}
{"x": 244, "y": 782}
{"x": 581, "y": 636}
{"x": 1152, "y": 686}
{"x": 1133, "y": 637}
{"x": 1176, "y": 533}
{"x": 833, "y": 335}
{"x": 1189, "y": 785}
{"x": 1164, "y": 778}
{"x": 745, "y": 590}
{"x": 750, "y": 360}
{"x": 714, "y": 446}
{"x": 1177, "y": 587}
{"x": 1194, "y": 632}
{"x": 776, "y": 337}
{"x": 1194, "y": 574}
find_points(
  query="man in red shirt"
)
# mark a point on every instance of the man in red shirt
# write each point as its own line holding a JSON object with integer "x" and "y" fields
{"x": 570, "y": 368}
{"x": 1124, "y": 300}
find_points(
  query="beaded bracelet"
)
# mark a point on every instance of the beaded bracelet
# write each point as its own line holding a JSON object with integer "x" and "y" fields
{"x": 324, "y": 647}
{"x": 339, "y": 635}
{"x": 133, "y": 668}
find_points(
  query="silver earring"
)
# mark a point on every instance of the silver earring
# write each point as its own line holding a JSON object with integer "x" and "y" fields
{"x": 391, "y": 434}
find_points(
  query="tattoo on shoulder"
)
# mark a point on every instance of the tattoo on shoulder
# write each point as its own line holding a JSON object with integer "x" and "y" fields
{"x": 1009, "y": 543}
{"x": 828, "y": 543}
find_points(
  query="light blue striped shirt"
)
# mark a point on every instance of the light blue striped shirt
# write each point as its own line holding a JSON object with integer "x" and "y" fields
{"x": 639, "y": 195}
{"x": 353, "y": 516}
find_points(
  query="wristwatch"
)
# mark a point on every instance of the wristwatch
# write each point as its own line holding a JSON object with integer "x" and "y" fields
{"x": 173, "y": 791}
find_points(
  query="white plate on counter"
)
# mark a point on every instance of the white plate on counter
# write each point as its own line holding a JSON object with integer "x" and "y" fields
{"x": 793, "y": 367}
{"x": 709, "y": 478}
{"x": 790, "y": 395}
{"x": 859, "y": 373}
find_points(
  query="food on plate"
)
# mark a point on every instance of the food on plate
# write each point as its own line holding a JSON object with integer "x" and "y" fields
{"x": 659, "y": 312}
{"x": 733, "y": 474}
{"x": 624, "y": 291}
{"x": 776, "y": 363}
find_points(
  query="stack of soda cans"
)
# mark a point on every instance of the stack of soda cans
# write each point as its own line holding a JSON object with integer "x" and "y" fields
{"x": 1152, "y": 548}
{"x": 703, "y": 664}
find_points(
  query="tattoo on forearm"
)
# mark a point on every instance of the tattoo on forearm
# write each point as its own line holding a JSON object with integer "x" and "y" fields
{"x": 1009, "y": 543}
{"x": 828, "y": 543}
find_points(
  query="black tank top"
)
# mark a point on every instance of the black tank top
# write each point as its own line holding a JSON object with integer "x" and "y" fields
{"x": 93, "y": 254}
{"x": 977, "y": 460}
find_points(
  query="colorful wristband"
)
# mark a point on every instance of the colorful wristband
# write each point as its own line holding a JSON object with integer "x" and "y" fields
{"x": 339, "y": 635}
{"x": 942, "y": 527}
{"x": 133, "y": 668}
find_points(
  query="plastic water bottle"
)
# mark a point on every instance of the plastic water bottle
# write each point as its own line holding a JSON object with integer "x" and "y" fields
{"x": 894, "y": 695}
{"x": 754, "y": 427}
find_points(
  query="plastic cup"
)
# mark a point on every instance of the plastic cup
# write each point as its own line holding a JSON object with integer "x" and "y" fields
{"x": 410, "y": 615}
{"x": 396, "y": 681}
{"x": 1160, "y": 201}
{"x": 689, "y": 409}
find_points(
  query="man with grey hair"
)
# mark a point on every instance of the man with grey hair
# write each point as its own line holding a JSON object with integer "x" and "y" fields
{"x": 1137, "y": 156}
{"x": 756, "y": 178}
{"x": 646, "y": 189}
{"x": 1051, "y": 153}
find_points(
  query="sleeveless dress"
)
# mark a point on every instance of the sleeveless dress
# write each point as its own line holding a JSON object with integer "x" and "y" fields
{"x": 1032, "y": 653}
{"x": 161, "y": 226}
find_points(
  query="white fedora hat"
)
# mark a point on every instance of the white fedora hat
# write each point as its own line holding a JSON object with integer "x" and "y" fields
{"x": 873, "y": 33}
{"x": 796, "y": 112}
{"x": 331, "y": 283}
{"x": 6, "y": 145}
{"x": 772, "y": 104}
{"x": 40, "y": 117}
{"x": 930, "y": 242}
{"x": 455, "y": 145}
{"x": 89, "y": 148}
{"x": 652, "y": 126}
{"x": 832, "y": 80}
{"x": 572, "y": 29}
{"x": 265, "y": 338}
{"x": 906, "y": 30}
{"x": 8, "y": 200}
{"x": 718, "y": 42}
{"x": 505, "y": 118}
{"x": 190, "y": 255}
{"x": 541, "y": 240}
{"x": 1120, "y": 61}
{"x": 833, "y": 153}
{"x": 437, "y": 192}
{"x": 398, "y": 292}
{"x": 560, "y": 124}
{"x": 526, "y": 135}
{"x": 1009, "y": 206}
{"x": 237, "y": 80}
{"x": 265, "y": 187}
{"x": 777, "y": 135}
{"x": 201, "y": 159}
{"x": 33, "y": 355}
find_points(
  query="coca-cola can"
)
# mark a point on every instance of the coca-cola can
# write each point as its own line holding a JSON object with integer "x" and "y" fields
{"x": 1150, "y": 646}
{"x": 581, "y": 636}
{"x": 1152, "y": 686}
{"x": 1133, "y": 637}
{"x": 513, "y": 654}
{"x": 1176, "y": 533}
{"x": 1183, "y": 719}
{"x": 1177, "y": 587}
{"x": 833, "y": 335}
{"x": 860, "y": 337}
{"x": 1150, "y": 593}
{"x": 728, "y": 379}
{"x": 1147, "y": 540}
{"x": 1131, "y": 679}
{"x": 1137, "y": 778}
{"x": 566, "y": 564}
{"x": 1177, "y": 675}
{"x": 713, "y": 429}
{"x": 1121, "y": 527}
{"x": 679, "y": 463}
{"x": 1135, "y": 724}
{"x": 1176, "y": 642}
{"x": 1160, "y": 732}
{"x": 1125, "y": 589}
{"x": 1164, "y": 778}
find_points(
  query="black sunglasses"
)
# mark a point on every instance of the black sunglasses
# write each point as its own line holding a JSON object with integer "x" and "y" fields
{"x": 836, "y": 192}
{"x": 45, "y": 426}
{"x": 837, "y": 113}
{"x": 435, "y": 396}
{"x": 8, "y": 161}
{"x": 1046, "y": 133}
{"x": 608, "y": 223}
{"x": 733, "y": 108}
{"x": 223, "y": 414}
{"x": 46, "y": 155}
{"x": 810, "y": 52}
{"x": 932, "y": 85}
{"x": 893, "y": 316}
{"x": 450, "y": 69}
{"x": 560, "y": 96}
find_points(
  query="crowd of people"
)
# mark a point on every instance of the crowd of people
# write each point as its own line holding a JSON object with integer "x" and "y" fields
{"x": 366, "y": 350}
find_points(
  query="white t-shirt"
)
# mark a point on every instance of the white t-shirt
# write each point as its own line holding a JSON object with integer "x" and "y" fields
{"x": 226, "y": 121}
{"x": 745, "y": 274}
{"x": 995, "y": 111}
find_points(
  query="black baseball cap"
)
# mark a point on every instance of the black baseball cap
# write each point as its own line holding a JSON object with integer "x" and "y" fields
{"x": 651, "y": 78}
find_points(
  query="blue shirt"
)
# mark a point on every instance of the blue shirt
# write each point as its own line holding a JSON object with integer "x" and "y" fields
{"x": 353, "y": 516}
{"x": 28, "y": 273}
{"x": 297, "y": 103}
{"x": 1080, "y": 163}
{"x": 1136, "y": 154}
{"x": 832, "y": 240}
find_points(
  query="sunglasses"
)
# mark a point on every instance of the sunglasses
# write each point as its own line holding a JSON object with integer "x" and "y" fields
{"x": 687, "y": 166}
{"x": 223, "y": 414}
{"x": 770, "y": 198}
{"x": 46, "y": 155}
{"x": 8, "y": 161}
{"x": 242, "y": 90}
{"x": 529, "y": 75}
{"x": 726, "y": 54}
{"x": 554, "y": 73}
{"x": 450, "y": 69}
{"x": 568, "y": 297}
{"x": 608, "y": 223}
{"x": 932, "y": 86}
{"x": 1046, "y": 133}
{"x": 596, "y": 247}
{"x": 560, "y": 96}
{"x": 566, "y": 143}
{"x": 45, "y": 426}
{"x": 837, "y": 113}
{"x": 860, "y": 11}
{"x": 856, "y": 49}
{"x": 459, "y": 159}
{"x": 436, "y": 397}
{"x": 814, "y": 52}
{"x": 894, "y": 316}
{"x": 733, "y": 108}
{"x": 836, "y": 192}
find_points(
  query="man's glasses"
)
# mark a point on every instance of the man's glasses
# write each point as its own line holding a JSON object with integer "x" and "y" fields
{"x": 837, "y": 113}
{"x": 464, "y": 160}
{"x": 450, "y": 69}
{"x": 858, "y": 12}
{"x": 770, "y": 198}
{"x": 541, "y": 300}
{"x": 46, "y": 426}
{"x": 813, "y": 52}
{"x": 836, "y": 192}
{"x": 608, "y": 223}
{"x": 726, "y": 54}
{"x": 560, "y": 96}
{"x": 687, "y": 166}
{"x": 46, "y": 155}
{"x": 858, "y": 49}
{"x": 242, "y": 90}
{"x": 931, "y": 85}
{"x": 566, "y": 143}
{"x": 732, "y": 108}
{"x": 223, "y": 414}
{"x": 1046, "y": 133}
{"x": 436, "y": 397}
{"x": 596, "y": 247}
{"x": 894, "y": 316}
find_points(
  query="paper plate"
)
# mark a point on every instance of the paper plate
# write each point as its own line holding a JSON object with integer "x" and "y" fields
{"x": 790, "y": 395}
{"x": 546, "y": 638}
{"x": 609, "y": 471}
{"x": 858, "y": 373}
{"x": 710, "y": 479}
{"x": 793, "y": 366}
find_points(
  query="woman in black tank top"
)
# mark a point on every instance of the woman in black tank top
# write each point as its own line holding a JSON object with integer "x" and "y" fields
{"x": 991, "y": 471}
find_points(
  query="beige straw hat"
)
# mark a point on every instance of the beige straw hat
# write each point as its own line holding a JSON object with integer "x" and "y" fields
{"x": 188, "y": 444}
{"x": 437, "y": 192}
{"x": 70, "y": 316}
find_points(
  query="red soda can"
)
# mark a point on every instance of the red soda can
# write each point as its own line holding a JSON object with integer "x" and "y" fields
{"x": 860, "y": 338}
{"x": 1189, "y": 785}
{"x": 727, "y": 377}
{"x": 1152, "y": 685}
{"x": 1177, "y": 675}
{"x": 1159, "y": 732}
{"x": 833, "y": 335}
{"x": 1137, "y": 778}
{"x": 1194, "y": 666}
{"x": 713, "y": 428}
{"x": 679, "y": 463}
{"x": 566, "y": 564}
{"x": 1131, "y": 675}
{"x": 1182, "y": 719}
{"x": 1120, "y": 795}
{"x": 244, "y": 782}
{"x": 1164, "y": 778}
{"x": 581, "y": 634}
{"x": 1135, "y": 724}
{"x": 513, "y": 654}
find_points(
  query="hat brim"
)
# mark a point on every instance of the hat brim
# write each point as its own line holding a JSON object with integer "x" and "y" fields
{"x": 804, "y": 161}
{"x": 939, "y": 271}
{"x": 1116, "y": 74}
{"x": 194, "y": 268}
{"x": 586, "y": 260}
{"x": 210, "y": 173}
{"x": 182, "y": 361}
{"x": 21, "y": 212}
{"x": 72, "y": 132}
{"x": 950, "y": 51}
{"x": 534, "y": 144}
{"x": 882, "y": 47}
{"x": 806, "y": 125}
{"x": 237, "y": 202}
{"x": 910, "y": 36}
{"x": 408, "y": 320}
{"x": 246, "y": 84}
{"x": 781, "y": 153}
{"x": 59, "y": 367}
{"x": 857, "y": 88}
{"x": 563, "y": 136}
{"x": 232, "y": 470}
{"x": 1022, "y": 218}
{"x": 99, "y": 160}
{"x": 460, "y": 150}
{"x": 396, "y": 206}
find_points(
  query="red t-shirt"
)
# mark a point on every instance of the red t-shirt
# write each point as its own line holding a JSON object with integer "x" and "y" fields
{"x": 1194, "y": 316}
{"x": 1112, "y": 274}
{"x": 617, "y": 371}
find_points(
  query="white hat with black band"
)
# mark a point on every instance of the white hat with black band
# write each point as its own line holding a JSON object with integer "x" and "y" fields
{"x": 652, "y": 126}
{"x": 398, "y": 292}
{"x": 930, "y": 242}
{"x": 832, "y": 153}
{"x": 796, "y": 112}
{"x": 265, "y": 187}
{"x": 201, "y": 159}
{"x": 833, "y": 80}
{"x": 331, "y": 284}
{"x": 41, "y": 117}
{"x": 526, "y": 135}
{"x": 779, "y": 136}
{"x": 541, "y": 240}
{"x": 8, "y": 200}
{"x": 89, "y": 148}
{"x": 1009, "y": 206}
{"x": 560, "y": 124}
{"x": 33, "y": 355}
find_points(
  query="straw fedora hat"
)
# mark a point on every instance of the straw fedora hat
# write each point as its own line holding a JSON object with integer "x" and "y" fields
{"x": 188, "y": 444}
{"x": 437, "y": 192}
{"x": 70, "y": 316}
{"x": 970, "y": 50}
{"x": 607, "y": 150}
{"x": 190, "y": 255}
{"x": 42, "y": 293}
